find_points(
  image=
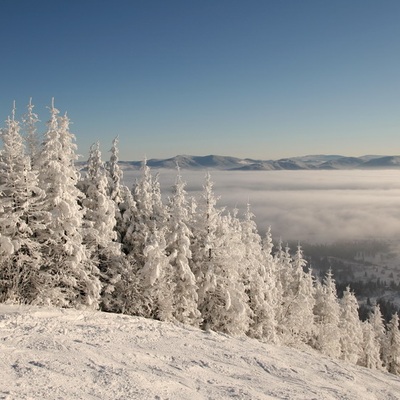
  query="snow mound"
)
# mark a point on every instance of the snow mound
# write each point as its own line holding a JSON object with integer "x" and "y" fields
{"x": 49, "y": 353}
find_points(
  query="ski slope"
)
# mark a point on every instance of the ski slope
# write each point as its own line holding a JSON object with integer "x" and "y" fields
{"x": 49, "y": 353}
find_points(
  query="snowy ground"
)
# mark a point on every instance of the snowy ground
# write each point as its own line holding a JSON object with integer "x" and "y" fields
{"x": 48, "y": 353}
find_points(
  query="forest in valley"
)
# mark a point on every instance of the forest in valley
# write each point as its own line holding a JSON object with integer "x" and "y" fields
{"x": 82, "y": 239}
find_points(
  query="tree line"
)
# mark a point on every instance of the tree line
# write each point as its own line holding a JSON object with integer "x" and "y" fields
{"x": 83, "y": 239}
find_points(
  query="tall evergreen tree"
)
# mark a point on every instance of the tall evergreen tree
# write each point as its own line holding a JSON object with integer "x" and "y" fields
{"x": 257, "y": 281}
{"x": 370, "y": 348}
{"x": 30, "y": 119}
{"x": 327, "y": 312}
{"x": 21, "y": 219}
{"x": 178, "y": 247}
{"x": 100, "y": 235}
{"x": 351, "y": 334}
{"x": 70, "y": 276}
{"x": 377, "y": 323}
{"x": 217, "y": 251}
{"x": 392, "y": 348}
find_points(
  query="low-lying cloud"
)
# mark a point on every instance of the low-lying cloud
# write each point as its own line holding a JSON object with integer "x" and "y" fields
{"x": 312, "y": 206}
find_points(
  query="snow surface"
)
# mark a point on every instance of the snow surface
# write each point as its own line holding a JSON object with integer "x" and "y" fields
{"x": 50, "y": 353}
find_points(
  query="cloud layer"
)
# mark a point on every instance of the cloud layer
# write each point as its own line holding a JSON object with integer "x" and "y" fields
{"x": 315, "y": 206}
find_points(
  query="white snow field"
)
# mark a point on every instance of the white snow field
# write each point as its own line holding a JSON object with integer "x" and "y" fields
{"x": 49, "y": 353}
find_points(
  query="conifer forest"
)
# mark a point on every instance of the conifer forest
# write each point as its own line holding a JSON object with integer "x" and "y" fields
{"x": 75, "y": 238}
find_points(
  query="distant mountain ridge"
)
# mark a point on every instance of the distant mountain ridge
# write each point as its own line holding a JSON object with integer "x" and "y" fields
{"x": 310, "y": 162}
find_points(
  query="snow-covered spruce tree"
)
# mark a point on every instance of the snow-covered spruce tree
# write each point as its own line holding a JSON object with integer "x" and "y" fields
{"x": 351, "y": 334}
{"x": 273, "y": 290}
{"x": 217, "y": 251}
{"x": 100, "y": 235}
{"x": 144, "y": 227}
{"x": 178, "y": 249}
{"x": 155, "y": 278}
{"x": 298, "y": 316}
{"x": 327, "y": 314}
{"x": 257, "y": 280}
{"x": 284, "y": 279}
{"x": 376, "y": 321}
{"x": 114, "y": 173}
{"x": 370, "y": 349}
{"x": 392, "y": 347}
{"x": 30, "y": 119}
{"x": 21, "y": 219}
{"x": 141, "y": 222}
{"x": 70, "y": 276}
{"x": 121, "y": 195}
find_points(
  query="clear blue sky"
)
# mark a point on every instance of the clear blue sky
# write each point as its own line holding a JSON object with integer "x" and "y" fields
{"x": 250, "y": 78}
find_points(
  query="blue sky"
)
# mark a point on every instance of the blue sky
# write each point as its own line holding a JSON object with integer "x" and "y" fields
{"x": 251, "y": 78}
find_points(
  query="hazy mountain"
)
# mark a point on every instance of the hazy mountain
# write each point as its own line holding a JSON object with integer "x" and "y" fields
{"x": 312, "y": 162}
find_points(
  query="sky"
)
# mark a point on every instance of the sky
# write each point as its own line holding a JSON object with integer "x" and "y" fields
{"x": 257, "y": 78}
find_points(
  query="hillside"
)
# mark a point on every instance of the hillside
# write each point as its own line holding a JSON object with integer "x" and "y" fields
{"x": 49, "y": 353}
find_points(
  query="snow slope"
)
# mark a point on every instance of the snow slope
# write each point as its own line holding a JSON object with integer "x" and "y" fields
{"x": 48, "y": 353}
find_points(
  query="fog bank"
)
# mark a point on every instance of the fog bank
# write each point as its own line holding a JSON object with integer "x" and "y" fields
{"x": 312, "y": 206}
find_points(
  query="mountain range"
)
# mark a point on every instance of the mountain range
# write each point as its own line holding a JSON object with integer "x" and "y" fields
{"x": 310, "y": 162}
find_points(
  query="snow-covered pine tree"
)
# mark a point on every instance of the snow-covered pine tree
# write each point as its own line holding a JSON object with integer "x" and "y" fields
{"x": 351, "y": 334}
{"x": 370, "y": 349}
{"x": 70, "y": 276}
{"x": 155, "y": 279}
{"x": 115, "y": 173}
{"x": 100, "y": 235}
{"x": 392, "y": 347}
{"x": 273, "y": 289}
{"x": 327, "y": 314}
{"x": 257, "y": 281}
{"x": 284, "y": 279}
{"x": 142, "y": 220}
{"x": 30, "y": 119}
{"x": 298, "y": 316}
{"x": 179, "y": 253}
{"x": 21, "y": 219}
{"x": 376, "y": 321}
{"x": 217, "y": 250}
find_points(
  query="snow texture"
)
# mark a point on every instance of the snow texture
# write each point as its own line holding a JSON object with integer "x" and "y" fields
{"x": 50, "y": 353}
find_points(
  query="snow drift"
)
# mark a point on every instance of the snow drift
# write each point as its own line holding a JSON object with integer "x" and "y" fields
{"x": 50, "y": 353}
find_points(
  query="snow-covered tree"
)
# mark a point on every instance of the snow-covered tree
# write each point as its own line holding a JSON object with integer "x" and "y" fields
{"x": 30, "y": 119}
{"x": 273, "y": 291}
{"x": 377, "y": 323}
{"x": 327, "y": 313}
{"x": 217, "y": 250}
{"x": 257, "y": 281}
{"x": 115, "y": 173}
{"x": 100, "y": 235}
{"x": 21, "y": 219}
{"x": 370, "y": 348}
{"x": 178, "y": 248}
{"x": 70, "y": 276}
{"x": 392, "y": 348}
{"x": 351, "y": 334}
{"x": 298, "y": 304}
